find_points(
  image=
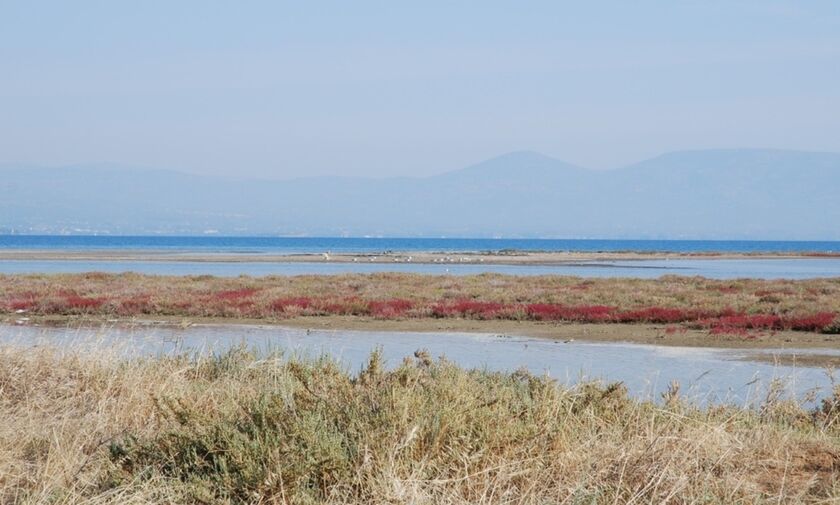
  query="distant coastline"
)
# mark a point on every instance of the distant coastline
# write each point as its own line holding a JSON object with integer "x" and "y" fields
{"x": 288, "y": 246}
{"x": 506, "y": 257}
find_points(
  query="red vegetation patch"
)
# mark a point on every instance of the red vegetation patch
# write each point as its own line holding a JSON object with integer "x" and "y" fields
{"x": 21, "y": 304}
{"x": 468, "y": 308}
{"x": 183, "y": 305}
{"x": 300, "y": 302}
{"x": 245, "y": 307}
{"x": 389, "y": 308}
{"x": 76, "y": 302}
{"x": 814, "y": 322}
{"x": 348, "y": 307}
{"x": 661, "y": 315}
{"x": 25, "y": 300}
{"x": 739, "y": 324}
{"x": 559, "y": 312}
{"x": 138, "y": 304}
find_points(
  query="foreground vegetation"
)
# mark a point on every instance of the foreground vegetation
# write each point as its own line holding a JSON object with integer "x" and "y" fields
{"x": 90, "y": 428}
{"x": 739, "y": 307}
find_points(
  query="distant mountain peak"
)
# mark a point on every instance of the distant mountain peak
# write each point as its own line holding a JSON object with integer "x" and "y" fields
{"x": 714, "y": 193}
{"x": 517, "y": 163}
{"x": 523, "y": 155}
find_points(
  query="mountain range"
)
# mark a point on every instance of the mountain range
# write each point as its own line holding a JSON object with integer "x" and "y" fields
{"x": 702, "y": 194}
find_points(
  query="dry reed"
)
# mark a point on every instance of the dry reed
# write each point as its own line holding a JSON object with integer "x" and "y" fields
{"x": 95, "y": 428}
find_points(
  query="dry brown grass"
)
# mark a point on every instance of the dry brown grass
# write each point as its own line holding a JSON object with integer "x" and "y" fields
{"x": 236, "y": 429}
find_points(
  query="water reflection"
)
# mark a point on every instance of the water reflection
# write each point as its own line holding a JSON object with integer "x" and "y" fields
{"x": 705, "y": 375}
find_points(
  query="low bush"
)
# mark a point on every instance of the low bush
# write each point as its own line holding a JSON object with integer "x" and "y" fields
{"x": 237, "y": 428}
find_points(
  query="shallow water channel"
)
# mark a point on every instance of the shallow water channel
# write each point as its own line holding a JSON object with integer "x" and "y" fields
{"x": 706, "y": 375}
{"x": 761, "y": 268}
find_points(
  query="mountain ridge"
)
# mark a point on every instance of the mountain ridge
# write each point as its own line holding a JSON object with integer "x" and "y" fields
{"x": 718, "y": 193}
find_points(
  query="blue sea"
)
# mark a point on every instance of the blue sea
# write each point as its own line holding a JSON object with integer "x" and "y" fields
{"x": 765, "y": 268}
{"x": 294, "y": 245}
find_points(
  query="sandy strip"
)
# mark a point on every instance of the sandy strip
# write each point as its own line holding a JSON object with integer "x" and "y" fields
{"x": 490, "y": 258}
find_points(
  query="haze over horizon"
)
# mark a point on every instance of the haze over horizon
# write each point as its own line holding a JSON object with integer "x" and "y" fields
{"x": 710, "y": 194}
{"x": 117, "y": 166}
{"x": 281, "y": 90}
{"x": 121, "y": 167}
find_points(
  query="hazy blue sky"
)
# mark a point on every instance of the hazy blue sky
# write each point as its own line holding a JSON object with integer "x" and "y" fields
{"x": 280, "y": 89}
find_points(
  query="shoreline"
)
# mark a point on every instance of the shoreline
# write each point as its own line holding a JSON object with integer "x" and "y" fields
{"x": 762, "y": 346}
{"x": 630, "y": 333}
{"x": 541, "y": 258}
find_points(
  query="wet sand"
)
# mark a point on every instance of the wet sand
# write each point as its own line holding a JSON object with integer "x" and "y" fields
{"x": 491, "y": 257}
{"x": 816, "y": 360}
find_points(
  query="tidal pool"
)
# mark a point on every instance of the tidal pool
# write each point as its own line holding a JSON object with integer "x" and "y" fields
{"x": 706, "y": 375}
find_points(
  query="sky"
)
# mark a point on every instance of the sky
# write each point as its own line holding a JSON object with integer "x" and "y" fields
{"x": 277, "y": 89}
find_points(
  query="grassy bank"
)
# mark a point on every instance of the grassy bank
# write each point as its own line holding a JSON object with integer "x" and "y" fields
{"x": 92, "y": 429}
{"x": 742, "y": 308}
